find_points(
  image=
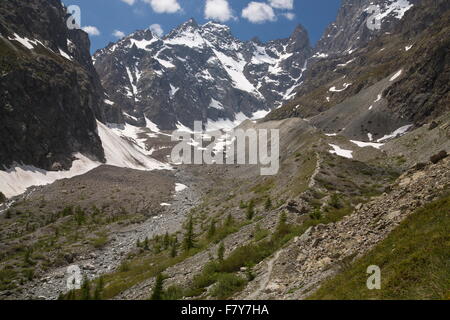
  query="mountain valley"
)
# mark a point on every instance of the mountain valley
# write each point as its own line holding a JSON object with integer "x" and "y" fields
{"x": 88, "y": 179}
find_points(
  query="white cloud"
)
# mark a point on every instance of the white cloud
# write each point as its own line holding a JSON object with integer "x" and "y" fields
{"x": 258, "y": 12}
{"x": 118, "y": 34}
{"x": 219, "y": 10}
{"x": 282, "y": 4}
{"x": 130, "y": 2}
{"x": 289, "y": 15}
{"x": 156, "y": 29}
{"x": 164, "y": 6}
{"x": 91, "y": 30}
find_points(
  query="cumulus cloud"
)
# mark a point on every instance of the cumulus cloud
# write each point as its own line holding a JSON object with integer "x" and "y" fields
{"x": 289, "y": 15}
{"x": 219, "y": 10}
{"x": 157, "y": 29}
{"x": 91, "y": 30}
{"x": 130, "y": 2}
{"x": 164, "y": 6}
{"x": 118, "y": 34}
{"x": 258, "y": 12}
{"x": 282, "y": 4}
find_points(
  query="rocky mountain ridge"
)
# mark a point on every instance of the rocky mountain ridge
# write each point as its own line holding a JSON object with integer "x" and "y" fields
{"x": 200, "y": 73}
{"x": 359, "y": 22}
{"x": 414, "y": 90}
{"x": 51, "y": 94}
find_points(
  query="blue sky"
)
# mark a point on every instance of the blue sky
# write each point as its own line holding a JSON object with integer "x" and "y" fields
{"x": 269, "y": 19}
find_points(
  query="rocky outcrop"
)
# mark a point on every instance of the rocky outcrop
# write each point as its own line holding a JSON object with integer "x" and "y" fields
{"x": 412, "y": 62}
{"x": 350, "y": 31}
{"x": 50, "y": 92}
{"x": 321, "y": 251}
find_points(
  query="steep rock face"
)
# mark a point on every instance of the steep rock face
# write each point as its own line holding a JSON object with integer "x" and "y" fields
{"x": 411, "y": 60}
{"x": 50, "y": 92}
{"x": 199, "y": 73}
{"x": 350, "y": 31}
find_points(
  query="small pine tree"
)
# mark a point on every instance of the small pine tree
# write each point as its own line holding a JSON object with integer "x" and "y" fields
{"x": 158, "y": 291}
{"x": 249, "y": 273}
{"x": 27, "y": 257}
{"x": 242, "y": 205}
{"x": 250, "y": 210}
{"x": 146, "y": 244}
{"x": 99, "y": 289}
{"x": 282, "y": 227}
{"x": 335, "y": 201}
{"x": 70, "y": 295}
{"x": 212, "y": 229}
{"x": 173, "y": 250}
{"x": 188, "y": 242}
{"x": 268, "y": 204}
{"x": 80, "y": 216}
{"x": 229, "y": 220}
{"x": 166, "y": 241}
{"x": 316, "y": 214}
{"x": 138, "y": 243}
{"x": 86, "y": 289}
{"x": 221, "y": 252}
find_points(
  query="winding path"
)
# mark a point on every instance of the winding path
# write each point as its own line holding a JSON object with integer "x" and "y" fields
{"x": 266, "y": 279}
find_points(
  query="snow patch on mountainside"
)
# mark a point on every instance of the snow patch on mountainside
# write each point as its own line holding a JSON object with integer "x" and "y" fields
{"x": 120, "y": 153}
{"x": 142, "y": 44}
{"x": 345, "y": 86}
{"x": 395, "y": 76}
{"x": 190, "y": 38}
{"x": 216, "y": 104}
{"x": 396, "y": 8}
{"x": 399, "y": 132}
{"x": 362, "y": 144}
{"x": 235, "y": 69}
{"x": 27, "y": 43}
{"x": 18, "y": 179}
{"x": 180, "y": 187}
{"x": 341, "y": 152}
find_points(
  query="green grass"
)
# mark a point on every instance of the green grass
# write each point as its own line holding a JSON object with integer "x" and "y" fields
{"x": 227, "y": 284}
{"x": 305, "y": 172}
{"x": 149, "y": 264}
{"x": 414, "y": 261}
{"x": 263, "y": 187}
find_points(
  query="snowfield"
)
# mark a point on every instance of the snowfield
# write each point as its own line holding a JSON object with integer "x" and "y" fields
{"x": 341, "y": 152}
{"x": 16, "y": 180}
{"x": 395, "y": 76}
{"x": 362, "y": 144}
{"x": 345, "y": 86}
{"x": 118, "y": 152}
{"x": 180, "y": 187}
{"x": 399, "y": 132}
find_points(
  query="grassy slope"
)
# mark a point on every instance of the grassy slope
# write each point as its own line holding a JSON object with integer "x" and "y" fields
{"x": 414, "y": 261}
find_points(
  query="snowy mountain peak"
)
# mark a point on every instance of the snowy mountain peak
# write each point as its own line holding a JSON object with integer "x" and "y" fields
{"x": 351, "y": 31}
{"x": 190, "y": 25}
{"x": 299, "y": 39}
{"x": 212, "y": 25}
{"x": 187, "y": 74}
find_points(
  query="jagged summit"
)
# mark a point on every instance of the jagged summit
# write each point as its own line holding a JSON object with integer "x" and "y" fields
{"x": 350, "y": 30}
{"x": 200, "y": 72}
